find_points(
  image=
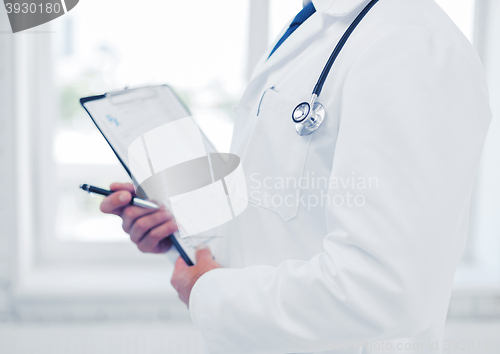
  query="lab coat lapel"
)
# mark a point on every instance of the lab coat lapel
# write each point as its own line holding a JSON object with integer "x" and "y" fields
{"x": 308, "y": 29}
{"x": 313, "y": 25}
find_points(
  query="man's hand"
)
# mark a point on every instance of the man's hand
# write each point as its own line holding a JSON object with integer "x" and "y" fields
{"x": 185, "y": 276}
{"x": 148, "y": 228}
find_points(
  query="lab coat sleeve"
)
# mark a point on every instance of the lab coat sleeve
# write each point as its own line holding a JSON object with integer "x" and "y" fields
{"x": 413, "y": 119}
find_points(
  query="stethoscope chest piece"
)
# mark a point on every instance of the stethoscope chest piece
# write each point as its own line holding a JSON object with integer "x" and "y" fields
{"x": 308, "y": 116}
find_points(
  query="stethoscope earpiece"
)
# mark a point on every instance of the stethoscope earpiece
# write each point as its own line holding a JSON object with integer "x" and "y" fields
{"x": 308, "y": 120}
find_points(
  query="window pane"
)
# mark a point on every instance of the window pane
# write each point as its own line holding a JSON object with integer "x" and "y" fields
{"x": 101, "y": 46}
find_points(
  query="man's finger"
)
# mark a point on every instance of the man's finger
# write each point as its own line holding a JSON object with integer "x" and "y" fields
{"x": 179, "y": 273}
{"x": 163, "y": 246}
{"x": 131, "y": 213}
{"x": 180, "y": 264}
{"x": 203, "y": 253}
{"x": 150, "y": 242}
{"x": 115, "y": 201}
{"x": 145, "y": 223}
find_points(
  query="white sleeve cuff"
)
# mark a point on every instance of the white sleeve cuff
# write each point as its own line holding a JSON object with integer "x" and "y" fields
{"x": 198, "y": 299}
{"x": 203, "y": 302}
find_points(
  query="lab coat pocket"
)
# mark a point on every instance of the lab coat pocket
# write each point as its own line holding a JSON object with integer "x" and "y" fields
{"x": 275, "y": 156}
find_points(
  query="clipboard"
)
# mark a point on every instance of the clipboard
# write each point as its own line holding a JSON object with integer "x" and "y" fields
{"x": 122, "y": 116}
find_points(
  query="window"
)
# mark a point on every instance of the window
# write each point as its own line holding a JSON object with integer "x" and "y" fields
{"x": 151, "y": 43}
{"x": 480, "y": 268}
{"x": 67, "y": 246}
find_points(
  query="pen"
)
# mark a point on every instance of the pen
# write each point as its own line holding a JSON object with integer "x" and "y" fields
{"x": 135, "y": 201}
{"x": 144, "y": 204}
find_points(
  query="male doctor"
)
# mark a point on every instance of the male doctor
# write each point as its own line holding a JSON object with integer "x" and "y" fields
{"x": 353, "y": 234}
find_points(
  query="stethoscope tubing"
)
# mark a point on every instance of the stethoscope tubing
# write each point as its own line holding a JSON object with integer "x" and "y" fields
{"x": 338, "y": 48}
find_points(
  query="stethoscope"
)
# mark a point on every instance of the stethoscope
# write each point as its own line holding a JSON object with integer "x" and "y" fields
{"x": 308, "y": 120}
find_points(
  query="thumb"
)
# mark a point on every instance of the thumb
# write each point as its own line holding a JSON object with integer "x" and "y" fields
{"x": 115, "y": 201}
{"x": 180, "y": 264}
{"x": 203, "y": 253}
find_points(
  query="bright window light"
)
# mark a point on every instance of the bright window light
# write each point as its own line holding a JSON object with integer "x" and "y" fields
{"x": 192, "y": 45}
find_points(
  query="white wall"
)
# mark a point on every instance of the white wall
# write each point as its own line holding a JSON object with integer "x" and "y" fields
{"x": 7, "y": 197}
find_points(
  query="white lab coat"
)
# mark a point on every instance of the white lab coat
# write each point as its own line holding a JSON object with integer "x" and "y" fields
{"x": 407, "y": 114}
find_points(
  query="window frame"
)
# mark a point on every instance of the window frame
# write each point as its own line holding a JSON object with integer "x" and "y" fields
{"x": 39, "y": 280}
{"x": 47, "y": 269}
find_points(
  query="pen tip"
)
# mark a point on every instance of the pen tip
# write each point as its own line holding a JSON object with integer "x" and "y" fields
{"x": 83, "y": 186}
